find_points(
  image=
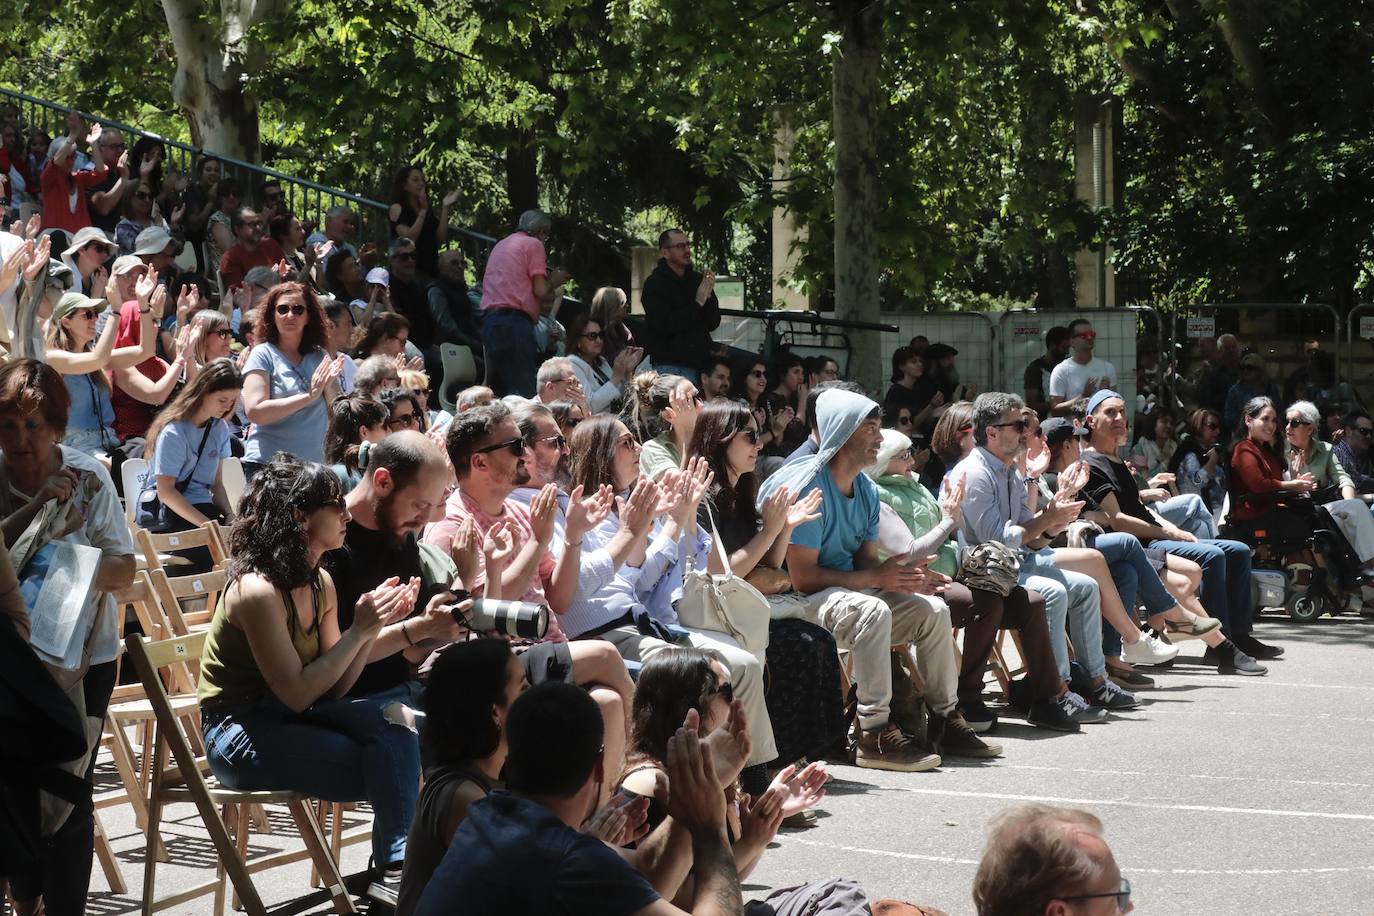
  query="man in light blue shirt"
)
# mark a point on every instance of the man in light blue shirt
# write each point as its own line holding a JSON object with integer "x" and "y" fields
{"x": 995, "y": 509}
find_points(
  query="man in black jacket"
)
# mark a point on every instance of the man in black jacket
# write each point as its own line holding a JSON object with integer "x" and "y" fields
{"x": 680, "y": 308}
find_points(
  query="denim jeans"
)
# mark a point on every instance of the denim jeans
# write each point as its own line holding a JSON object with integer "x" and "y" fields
{"x": 1190, "y": 513}
{"x": 512, "y": 354}
{"x": 1225, "y": 579}
{"x": 1134, "y": 577}
{"x": 338, "y": 750}
{"x": 1072, "y": 601}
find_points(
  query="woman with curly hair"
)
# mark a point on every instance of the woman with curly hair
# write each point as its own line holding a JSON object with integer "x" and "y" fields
{"x": 288, "y": 379}
{"x": 276, "y": 669}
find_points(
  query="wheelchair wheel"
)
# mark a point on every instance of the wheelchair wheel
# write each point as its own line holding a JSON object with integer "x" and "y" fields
{"x": 1305, "y": 608}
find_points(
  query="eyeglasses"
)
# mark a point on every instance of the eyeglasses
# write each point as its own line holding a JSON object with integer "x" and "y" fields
{"x": 758, "y": 373}
{"x": 85, "y": 314}
{"x": 142, "y": 195}
{"x": 284, "y": 308}
{"x": 335, "y": 503}
{"x": 1020, "y": 425}
{"x": 407, "y": 420}
{"x": 966, "y": 429}
{"x": 592, "y": 335}
{"x": 677, "y": 245}
{"x": 97, "y": 248}
{"x": 751, "y": 435}
{"x": 516, "y": 446}
{"x": 404, "y": 255}
{"x": 1123, "y": 896}
{"x": 1294, "y": 424}
{"x": 557, "y": 441}
{"x": 628, "y": 441}
{"x": 904, "y": 421}
{"x": 1212, "y": 426}
{"x": 571, "y": 422}
{"x": 726, "y": 691}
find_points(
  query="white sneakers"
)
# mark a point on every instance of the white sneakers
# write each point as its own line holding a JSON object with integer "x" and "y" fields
{"x": 1150, "y": 650}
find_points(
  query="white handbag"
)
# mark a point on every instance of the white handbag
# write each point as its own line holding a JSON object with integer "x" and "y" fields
{"x": 724, "y": 602}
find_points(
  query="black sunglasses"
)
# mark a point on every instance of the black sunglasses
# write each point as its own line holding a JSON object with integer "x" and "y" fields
{"x": 726, "y": 691}
{"x": 758, "y": 373}
{"x": 284, "y": 308}
{"x": 222, "y": 332}
{"x": 1294, "y": 424}
{"x": 558, "y": 441}
{"x": 142, "y": 195}
{"x": 409, "y": 419}
{"x": 516, "y": 446}
{"x": 752, "y": 435}
{"x": 1020, "y": 425}
{"x": 592, "y": 335}
{"x": 404, "y": 256}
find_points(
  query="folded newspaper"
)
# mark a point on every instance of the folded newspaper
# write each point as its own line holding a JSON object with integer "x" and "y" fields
{"x": 56, "y": 579}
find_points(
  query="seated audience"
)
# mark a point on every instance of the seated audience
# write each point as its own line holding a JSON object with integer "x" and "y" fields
{"x": 219, "y": 228}
{"x": 1199, "y": 463}
{"x": 870, "y": 605}
{"x": 662, "y": 413}
{"x": 280, "y": 660}
{"x": 1304, "y": 453}
{"x": 751, "y": 389}
{"x": 567, "y": 414}
{"x": 610, "y": 307}
{"x": 1354, "y": 450}
{"x": 912, "y": 523}
{"x": 1154, "y": 448}
{"x": 713, "y": 378}
{"x": 374, "y": 374}
{"x": 339, "y": 339}
{"x": 908, "y": 369}
{"x": 557, "y": 380}
{"x": 477, "y": 396}
{"x": 185, "y": 451}
{"x": 790, "y": 392}
{"x": 139, "y": 214}
{"x": 386, "y": 335}
{"x": 37, "y": 468}
{"x": 452, "y": 309}
{"x": 288, "y": 379}
{"x": 87, "y": 255}
{"x": 344, "y": 279}
{"x": 1254, "y": 383}
{"x": 137, "y": 392}
{"x": 404, "y": 410}
{"x": 354, "y": 421}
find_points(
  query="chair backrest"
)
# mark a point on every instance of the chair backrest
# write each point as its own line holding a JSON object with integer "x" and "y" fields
{"x": 153, "y": 546}
{"x": 459, "y": 369}
{"x": 172, "y": 590}
{"x": 232, "y": 482}
{"x": 131, "y": 478}
{"x": 140, "y": 596}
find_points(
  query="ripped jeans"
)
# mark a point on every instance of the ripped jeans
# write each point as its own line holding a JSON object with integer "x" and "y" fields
{"x": 352, "y": 749}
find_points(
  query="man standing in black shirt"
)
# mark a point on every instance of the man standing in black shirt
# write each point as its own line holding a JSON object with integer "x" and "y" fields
{"x": 681, "y": 307}
{"x": 1037, "y": 377}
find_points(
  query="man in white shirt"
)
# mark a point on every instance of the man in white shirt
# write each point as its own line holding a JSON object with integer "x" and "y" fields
{"x": 1080, "y": 376}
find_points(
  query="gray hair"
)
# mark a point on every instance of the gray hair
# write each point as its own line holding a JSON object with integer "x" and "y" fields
{"x": 400, "y": 244}
{"x": 1307, "y": 410}
{"x": 338, "y": 210}
{"x": 533, "y": 222}
{"x": 554, "y": 369}
{"x": 989, "y": 408}
{"x": 472, "y": 396}
{"x": 371, "y": 372}
{"x": 262, "y": 277}
{"x": 524, "y": 411}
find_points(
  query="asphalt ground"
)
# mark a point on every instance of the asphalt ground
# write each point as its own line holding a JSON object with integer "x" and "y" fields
{"x": 1221, "y": 795}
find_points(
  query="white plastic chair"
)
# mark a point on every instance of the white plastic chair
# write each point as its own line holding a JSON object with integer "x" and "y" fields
{"x": 233, "y": 483}
{"x": 131, "y": 478}
{"x": 460, "y": 369}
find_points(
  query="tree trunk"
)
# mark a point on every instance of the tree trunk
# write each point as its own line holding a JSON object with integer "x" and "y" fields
{"x": 522, "y": 175}
{"x": 856, "y": 103}
{"x": 213, "y": 61}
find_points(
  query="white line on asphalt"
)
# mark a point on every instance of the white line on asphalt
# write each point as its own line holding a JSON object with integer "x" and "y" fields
{"x": 1306, "y": 717}
{"x": 1260, "y": 681}
{"x": 1274, "y": 779}
{"x": 1128, "y": 869}
{"x": 1122, "y": 803}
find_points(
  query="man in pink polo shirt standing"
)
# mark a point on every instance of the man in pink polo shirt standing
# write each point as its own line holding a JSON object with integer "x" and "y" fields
{"x": 517, "y": 281}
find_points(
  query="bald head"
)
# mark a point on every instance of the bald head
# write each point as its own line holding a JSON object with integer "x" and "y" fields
{"x": 1037, "y": 855}
{"x": 405, "y": 480}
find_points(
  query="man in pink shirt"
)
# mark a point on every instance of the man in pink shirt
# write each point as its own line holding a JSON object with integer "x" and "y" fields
{"x": 516, "y": 284}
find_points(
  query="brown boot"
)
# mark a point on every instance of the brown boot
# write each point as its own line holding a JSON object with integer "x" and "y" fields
{"x": 956, "y": 739}
{"x": 889, "y": 748}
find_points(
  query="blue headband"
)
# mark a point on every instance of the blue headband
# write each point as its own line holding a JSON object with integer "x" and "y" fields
{"x": 1096, "y": 400}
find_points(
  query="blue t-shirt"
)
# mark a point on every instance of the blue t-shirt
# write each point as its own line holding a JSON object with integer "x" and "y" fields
{"x": 513, "y": 856}
{"x": 846, "y": 522}
{"x": 91, "y": 407}
{"x": 301, "y": 433}
{"x": 175, "y": 456}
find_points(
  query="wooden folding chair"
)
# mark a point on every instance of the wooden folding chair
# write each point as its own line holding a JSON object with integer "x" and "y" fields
{"x": 173, "y": 591}
{"x": 156, "y": 548}
{"x": 220, "y": 809}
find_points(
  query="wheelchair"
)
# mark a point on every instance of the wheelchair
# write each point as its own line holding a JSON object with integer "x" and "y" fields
{"x": 1333, "y": 581}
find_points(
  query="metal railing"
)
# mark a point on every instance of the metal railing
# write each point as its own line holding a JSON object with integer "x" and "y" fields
{"x": 309, "y": 200}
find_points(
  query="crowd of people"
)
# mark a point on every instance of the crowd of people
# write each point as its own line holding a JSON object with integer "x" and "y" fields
{"x": 655, "y": 505}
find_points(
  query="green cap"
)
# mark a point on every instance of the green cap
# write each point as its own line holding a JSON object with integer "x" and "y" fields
{"x": 71, "y": 302}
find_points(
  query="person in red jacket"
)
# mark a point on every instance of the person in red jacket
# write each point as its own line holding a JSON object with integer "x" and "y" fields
{"x": 1260, "y": 496}
{"x": 64, "y": 188}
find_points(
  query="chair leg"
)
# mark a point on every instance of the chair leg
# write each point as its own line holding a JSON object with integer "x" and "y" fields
{"x": 258, "y": 818}
{"x": 319, "y": 852}
{"x": 108, "y": 863}
{"x": 151, "y": 839}
{"x": 123, "y": 755}
{"x": 321, "y": 808}
{"x": 228, "y": 813}
{"x": 242, "y": 818}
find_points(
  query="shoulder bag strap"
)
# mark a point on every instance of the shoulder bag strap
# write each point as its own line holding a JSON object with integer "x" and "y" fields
{"x": 181, "y": 484}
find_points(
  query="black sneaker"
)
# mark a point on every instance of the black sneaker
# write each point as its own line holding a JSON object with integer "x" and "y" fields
{"x": 1109, "y": 696}
{"x": 980, "y": 719}
{"x": 1049, "y": 714}
{"x": 1231, "y": 660}
{"x": 1256, "y": 649}
{"x": 386, "y": 886}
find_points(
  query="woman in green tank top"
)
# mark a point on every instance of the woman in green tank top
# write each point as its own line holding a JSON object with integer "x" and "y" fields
{"x": 276, "y": 667}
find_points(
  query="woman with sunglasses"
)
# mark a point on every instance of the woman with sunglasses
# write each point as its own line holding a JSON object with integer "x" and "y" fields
{"x": 404, "y": 410}
{"x": 386, "y": 335}
{"x": 288, "y": 379}
{"x": 609, "y": 308}
{"x": 88, "y": 255}
{"x": 567, "y": 414}
{"x": 276, "y": 667}
{"x": 139, "y": 214}
{"x": 751, "y": 389}
{"x": 83, "y": 359}
{"x": 604, "y": 382}
{"x": 1199, "y": 463}
{"x": 355, "y": 422}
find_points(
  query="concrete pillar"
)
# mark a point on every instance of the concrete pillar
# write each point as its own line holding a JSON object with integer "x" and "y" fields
{"x": 1097, "y": 123}
{"x": 786, "y": 232}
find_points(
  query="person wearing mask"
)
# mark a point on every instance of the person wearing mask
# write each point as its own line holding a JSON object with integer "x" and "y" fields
{"x": 288, "y": 379}
{"x": 515, "y": 286}
{"x": 680, "y": 308}
{"x": 283, "y": 654}
{"x": 411, "y": 217}
{"x": 36, "y": 469}
{"x": 1082, "y": 375}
